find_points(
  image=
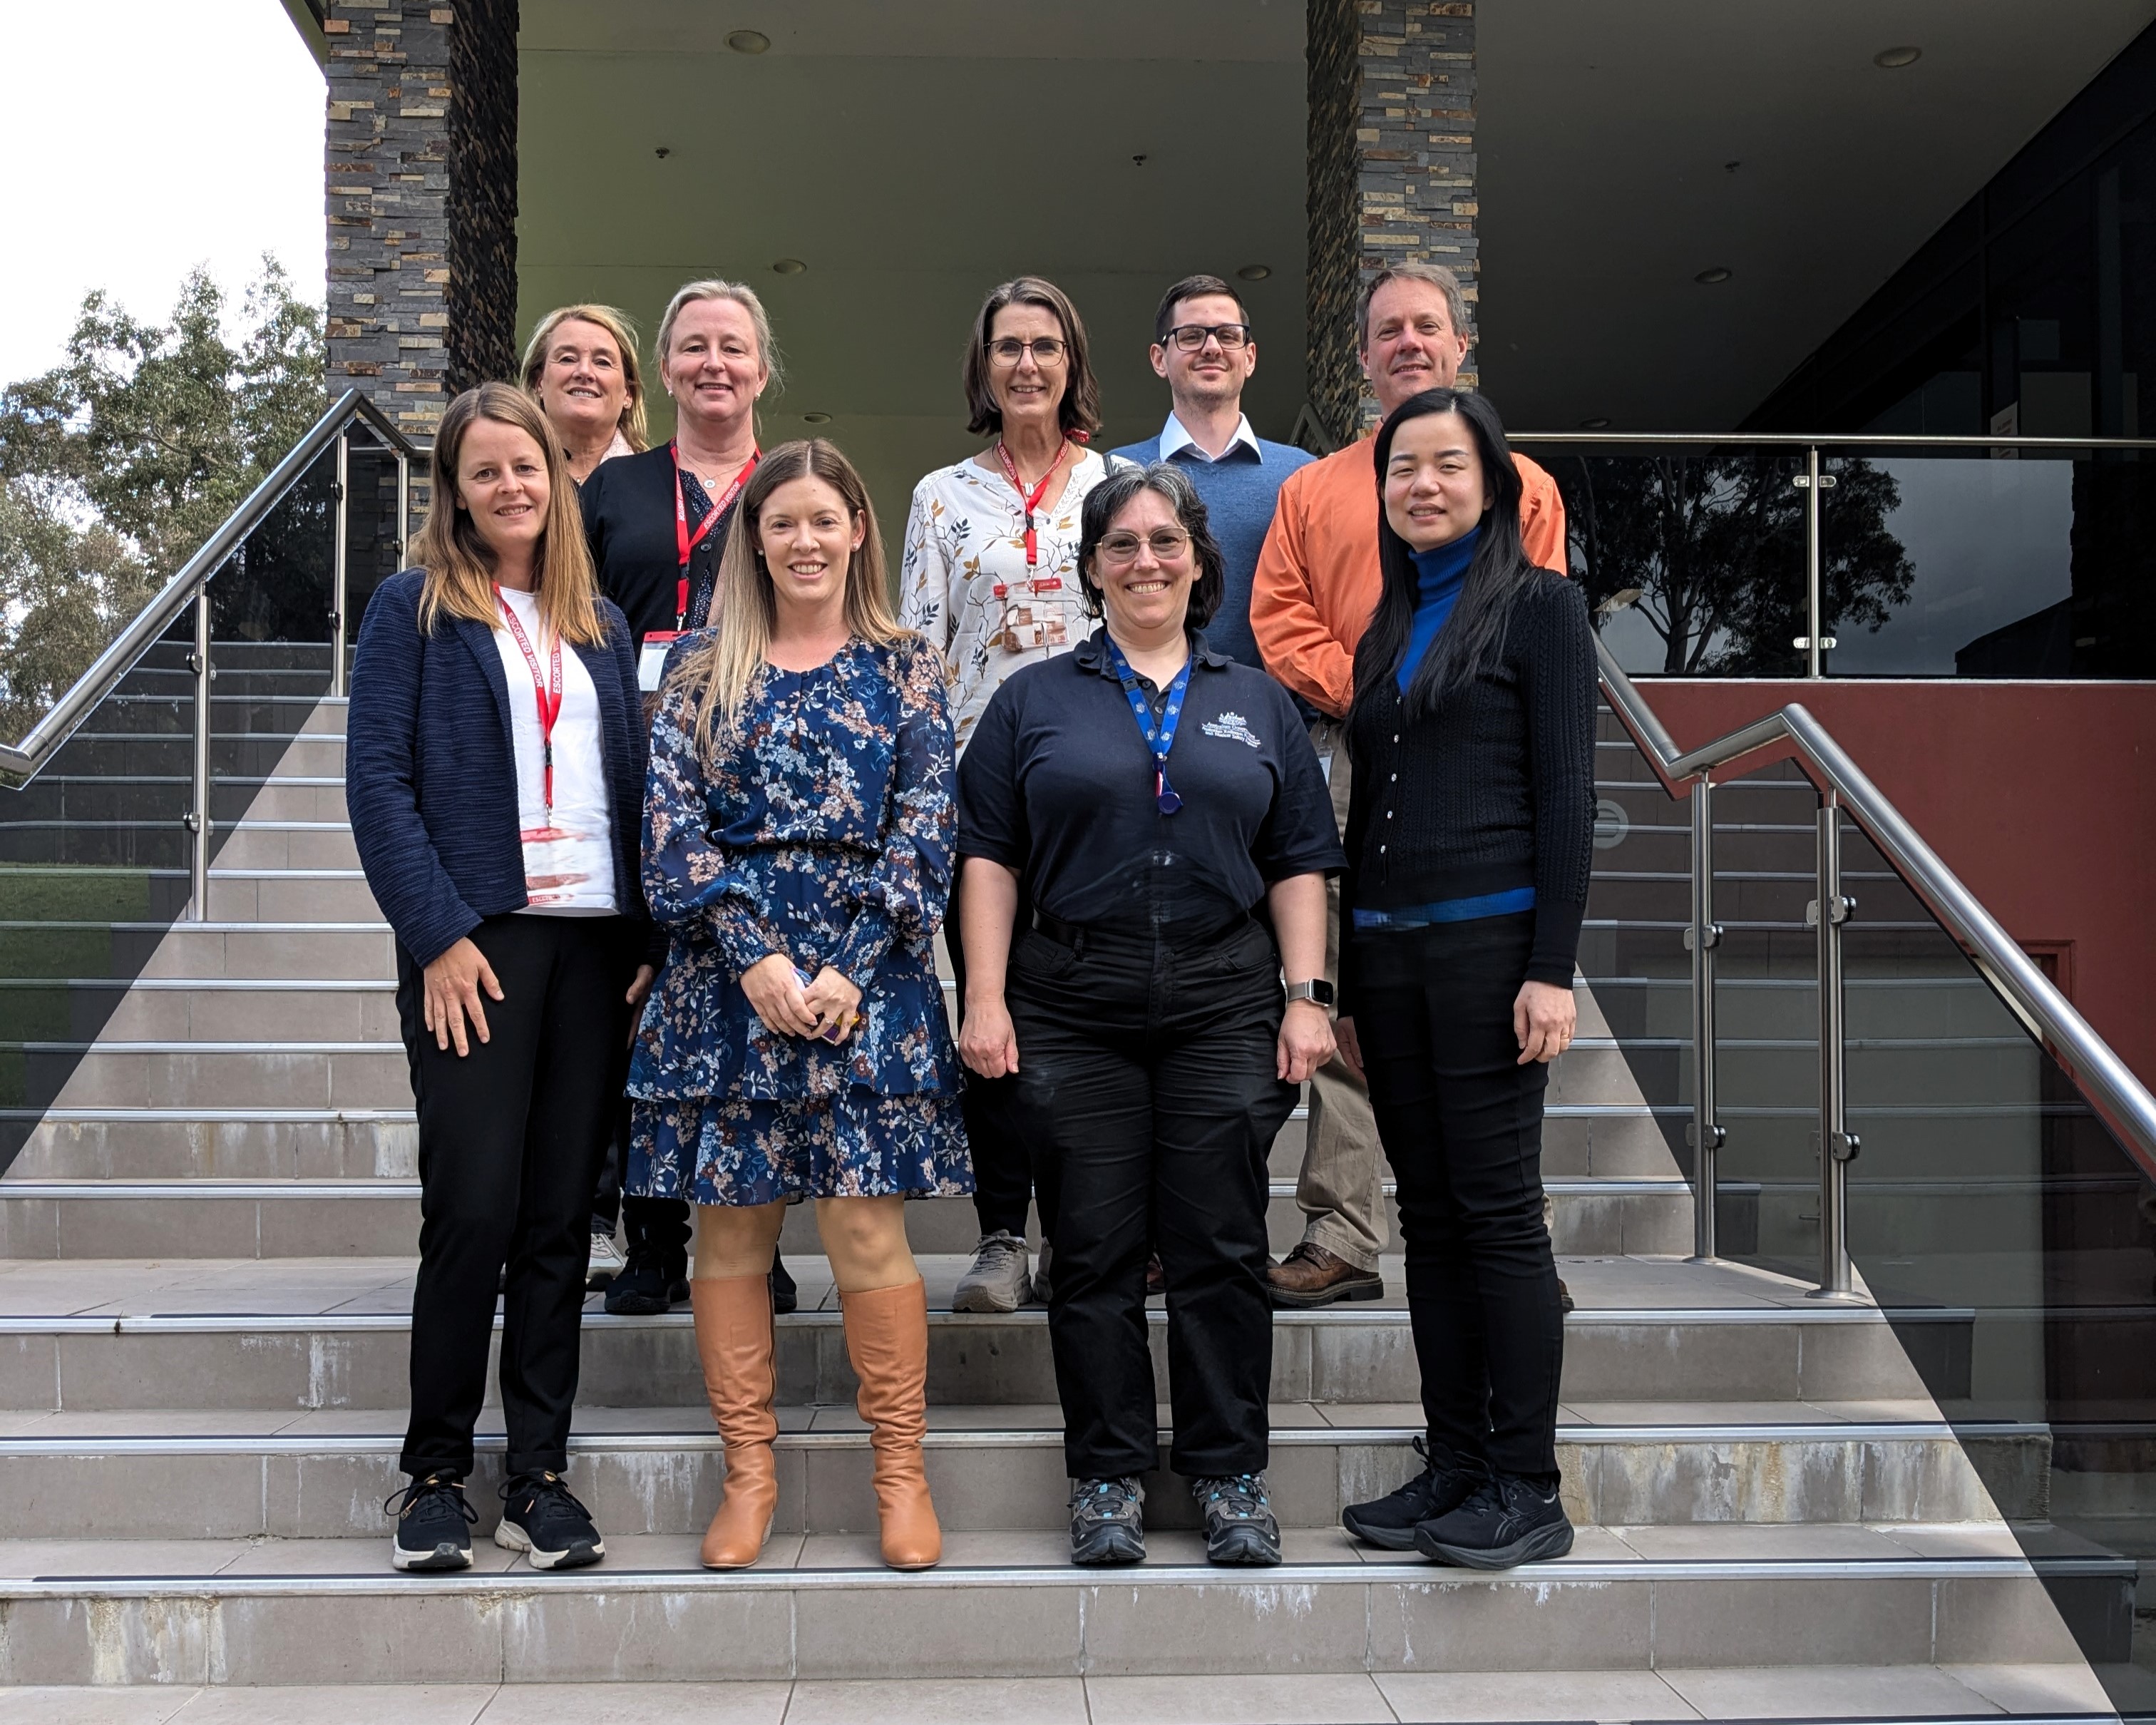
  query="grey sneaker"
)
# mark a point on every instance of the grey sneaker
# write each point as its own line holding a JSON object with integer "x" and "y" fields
{"x": 1107, "y": 1525}
{"x": 997, "y": 1279}
{"x": 606, "y": 1261}
{"x": 1239, "y": 1525}
{"x": 1040, "y": 1275}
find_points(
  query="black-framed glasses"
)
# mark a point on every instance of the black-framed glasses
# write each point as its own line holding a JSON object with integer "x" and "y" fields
{"x": 1167, "y": 543}
{"x": 1007, "y": 350}
{"x": 1192, "y": 336}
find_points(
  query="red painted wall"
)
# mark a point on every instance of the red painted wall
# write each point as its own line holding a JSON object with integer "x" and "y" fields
{"x": 2041, "y": 796}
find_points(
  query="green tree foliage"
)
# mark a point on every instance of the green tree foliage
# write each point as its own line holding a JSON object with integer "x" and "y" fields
{"x": 117, "y": 464}
{"x": 1712, "y": 547}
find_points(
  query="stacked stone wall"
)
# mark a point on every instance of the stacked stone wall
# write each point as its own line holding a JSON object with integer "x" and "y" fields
{"x": 1392, "y": 170}
{"x": 421, "y": 176}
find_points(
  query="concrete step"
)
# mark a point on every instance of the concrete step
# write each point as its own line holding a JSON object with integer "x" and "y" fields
{"x": 263, "y": 895}
{"x": 200, "y": 1008}
{"x": 214, "y": 1474}
{"x": 138, "y": 712}
{"x": 1008, "y": 1605}
{"x": 306, "y": 1218}
{"x": 334, "y": 1332}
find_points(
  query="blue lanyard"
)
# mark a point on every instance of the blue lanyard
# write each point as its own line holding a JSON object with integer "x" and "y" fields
{"x": 1160, "y": 738}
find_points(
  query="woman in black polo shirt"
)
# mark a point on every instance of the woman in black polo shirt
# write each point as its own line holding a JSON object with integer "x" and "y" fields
{"x": 1164, "y": 806}
{"x": 1470, "y": 834}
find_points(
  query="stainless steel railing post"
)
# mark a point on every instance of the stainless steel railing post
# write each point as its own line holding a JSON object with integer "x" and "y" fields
{"x": 342, "y": 516}
{"x": 403, "y": 511}
{"x": 199, "y": 820}
{"x": 1838, "y": 1145}
{"x": 1703, "y": 936}
{"x": 1814, "y": 610}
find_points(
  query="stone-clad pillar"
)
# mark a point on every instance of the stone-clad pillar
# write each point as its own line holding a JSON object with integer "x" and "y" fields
{"x": 1392, "y": 170}
{"x": 421, "y": 174}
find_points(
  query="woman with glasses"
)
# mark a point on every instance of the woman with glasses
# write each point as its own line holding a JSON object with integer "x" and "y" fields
{"x": 1166, "y": 807}
{"x": 990, "y": 579}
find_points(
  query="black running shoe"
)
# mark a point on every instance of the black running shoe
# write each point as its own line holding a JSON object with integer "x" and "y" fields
{"x": 1441, "y": 1487}
{"x": 655, "y": 1280}
{"x": 1106, "y": 1523}
{"x": 539, "y": 1515}
{"x": 1240, "y": 1526}
{"x": 432, "y": 1520}
{"x": 785, "y": 1297}
{"x": 1505, "y": 1522}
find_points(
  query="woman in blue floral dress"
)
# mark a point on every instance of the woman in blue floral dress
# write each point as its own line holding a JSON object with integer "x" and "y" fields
{"x": 797, "y": 845}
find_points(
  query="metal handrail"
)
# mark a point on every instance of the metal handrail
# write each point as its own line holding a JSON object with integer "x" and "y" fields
{"x": 163, "y": 610}
{"x": 2119, "y": 1099}
{"x": 1824, "y": 441}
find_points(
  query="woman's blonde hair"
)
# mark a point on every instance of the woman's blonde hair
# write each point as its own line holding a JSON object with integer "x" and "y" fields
{"x": 634, "y": 430}
{"x": 726, "y": 663}
{"x": 743, "y": 295}
{"x": 461, "y": 564}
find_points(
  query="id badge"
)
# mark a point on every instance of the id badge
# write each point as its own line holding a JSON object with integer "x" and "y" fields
{"x": 651, "y": 662}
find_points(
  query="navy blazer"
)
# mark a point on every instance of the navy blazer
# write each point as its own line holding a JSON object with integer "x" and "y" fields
{"x": 430, "y": 768}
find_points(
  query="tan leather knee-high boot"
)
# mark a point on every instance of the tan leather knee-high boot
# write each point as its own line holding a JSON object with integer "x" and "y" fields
{"x": 734, "y": 1341}
{"x": 887, "y": 1339}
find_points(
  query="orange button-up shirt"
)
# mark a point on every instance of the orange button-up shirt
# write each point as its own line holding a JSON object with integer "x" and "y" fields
{"x": 1318, "y": 579}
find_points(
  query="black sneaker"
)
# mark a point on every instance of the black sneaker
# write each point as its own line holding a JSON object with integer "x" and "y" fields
{"x": 655, "y": 1280}
{"x": 1441, "y": 1487}
{"x": 785, "y": 1297}
{"x": 1505, "y": 1522}
{"x": 1106, "y": 1525}
{"x": 432, "y": 1519}
{"x": 539, "y": 1515}
{"x": 1240, "y": 1526}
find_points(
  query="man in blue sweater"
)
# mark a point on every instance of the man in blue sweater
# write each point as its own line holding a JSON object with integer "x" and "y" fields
{"x": 1203, "y": 346}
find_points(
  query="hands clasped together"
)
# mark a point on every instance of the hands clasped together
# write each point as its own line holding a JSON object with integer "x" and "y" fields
{"x": 827, "y": 1006}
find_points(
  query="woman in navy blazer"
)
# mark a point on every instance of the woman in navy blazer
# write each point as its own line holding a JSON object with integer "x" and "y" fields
{"x": 496, "y": 785}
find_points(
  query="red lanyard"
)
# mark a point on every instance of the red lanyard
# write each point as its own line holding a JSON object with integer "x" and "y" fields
{"x": 684, "y": 542}
{"x": 548, "y": 692}
{"x": 1029, "y": 500}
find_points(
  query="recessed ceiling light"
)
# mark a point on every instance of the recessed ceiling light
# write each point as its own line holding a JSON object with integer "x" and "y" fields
{"x": 815, "y": 418}
{"x": 663, "y": 151}
{"x": 1600, "y": 421}
{"x": 1893, "y": 59}
{"x": 748, "y": 41}
{"x": 1714, "y": 277}
{"x": 788, "y": 266}
{"x": 1254, "y": 272}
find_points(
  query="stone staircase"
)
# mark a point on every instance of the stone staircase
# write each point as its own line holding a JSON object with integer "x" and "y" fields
{"x": 207, "y": 1220}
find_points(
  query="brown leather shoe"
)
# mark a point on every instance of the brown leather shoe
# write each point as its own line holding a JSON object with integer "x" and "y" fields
{"x": 1310, "y": 1276}
{"x": 887, "y": 1339}
{"x": 1563, "y": 1296}
{"x": 734, "y": 1341}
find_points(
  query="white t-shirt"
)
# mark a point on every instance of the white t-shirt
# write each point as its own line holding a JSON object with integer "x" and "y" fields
{"x": 568, "y": 866}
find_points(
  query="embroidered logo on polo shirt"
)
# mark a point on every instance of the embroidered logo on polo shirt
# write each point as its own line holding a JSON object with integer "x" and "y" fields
{"x": 1230, "y": 726}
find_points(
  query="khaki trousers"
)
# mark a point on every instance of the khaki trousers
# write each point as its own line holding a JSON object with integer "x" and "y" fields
{"x": 1340, "y": 1190}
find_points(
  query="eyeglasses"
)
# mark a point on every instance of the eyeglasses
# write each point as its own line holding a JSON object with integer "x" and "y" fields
{"x": 1007, "y": 351}
{"x": 1167, "y": 543}
{"x": 1191, "y": 336}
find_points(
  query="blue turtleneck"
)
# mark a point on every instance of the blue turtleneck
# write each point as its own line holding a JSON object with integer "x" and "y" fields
{"x": 1440, "y": 575}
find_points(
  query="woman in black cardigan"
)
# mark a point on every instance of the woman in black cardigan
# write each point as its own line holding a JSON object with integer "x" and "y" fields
{"x": 496, "y": 784}
{"x": 1470, "y": 832}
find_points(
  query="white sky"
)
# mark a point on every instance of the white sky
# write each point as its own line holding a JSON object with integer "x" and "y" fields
{"x": 144, "y": 137}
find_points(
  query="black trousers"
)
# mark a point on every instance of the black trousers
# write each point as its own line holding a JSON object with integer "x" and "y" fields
{"x": 1011, "y": 1169}
{"x": 1461, "y": 1121}
{"x": 510, "y": 1139}
{"x": 661, "y": 1223}
{"x": 1149, "y": 1069}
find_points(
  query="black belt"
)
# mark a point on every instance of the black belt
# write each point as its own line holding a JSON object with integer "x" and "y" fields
{"x": 1076, "y": 935}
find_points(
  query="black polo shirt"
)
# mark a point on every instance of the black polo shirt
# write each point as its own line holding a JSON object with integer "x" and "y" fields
{"x": 1057, "y": 783}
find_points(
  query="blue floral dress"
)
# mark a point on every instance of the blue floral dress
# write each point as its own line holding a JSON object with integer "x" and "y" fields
{"x": 822, "y": 829}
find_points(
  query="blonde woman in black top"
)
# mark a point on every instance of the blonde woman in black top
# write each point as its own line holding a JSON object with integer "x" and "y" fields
{"x": 1469, "y": 835}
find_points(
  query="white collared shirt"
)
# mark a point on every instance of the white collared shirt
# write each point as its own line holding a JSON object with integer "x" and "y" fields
{"x": 1174, "y": 436}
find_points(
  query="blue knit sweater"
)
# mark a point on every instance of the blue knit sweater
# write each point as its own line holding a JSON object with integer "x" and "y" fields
{"x": 430, "y": 768}
{"x": 1239, "y": 490}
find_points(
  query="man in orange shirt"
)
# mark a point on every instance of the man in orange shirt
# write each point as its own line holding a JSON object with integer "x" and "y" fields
{"x": 1316, "y": 586}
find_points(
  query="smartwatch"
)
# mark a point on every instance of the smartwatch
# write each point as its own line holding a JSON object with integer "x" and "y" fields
{"x": 1318, "y": 990}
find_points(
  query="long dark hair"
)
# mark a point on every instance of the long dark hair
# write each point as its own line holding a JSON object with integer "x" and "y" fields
{"x": 1474, "y": 634}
